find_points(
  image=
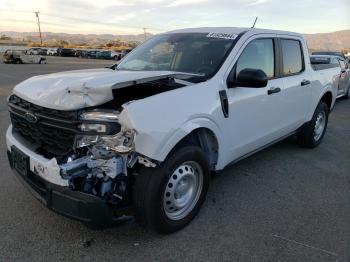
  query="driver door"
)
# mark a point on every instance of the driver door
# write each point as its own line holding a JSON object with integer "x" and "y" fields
{"x": 257, "y": 115}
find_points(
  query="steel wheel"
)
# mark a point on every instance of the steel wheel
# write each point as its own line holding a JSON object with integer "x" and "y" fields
{"x": 183, "y": 190}
{"x": 319, "y": 125}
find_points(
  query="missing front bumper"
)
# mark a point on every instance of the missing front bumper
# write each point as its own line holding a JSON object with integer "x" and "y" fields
{"x": 73, "y": 204}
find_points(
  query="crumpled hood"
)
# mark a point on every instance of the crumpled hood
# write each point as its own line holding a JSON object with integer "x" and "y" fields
{"x": 78, "y": 89}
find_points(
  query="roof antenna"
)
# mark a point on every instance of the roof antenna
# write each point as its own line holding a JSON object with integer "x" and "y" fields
{"x": 256, "y": 19}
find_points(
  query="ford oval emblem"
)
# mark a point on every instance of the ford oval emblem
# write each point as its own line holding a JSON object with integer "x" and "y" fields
{"x": 30, "y": 117}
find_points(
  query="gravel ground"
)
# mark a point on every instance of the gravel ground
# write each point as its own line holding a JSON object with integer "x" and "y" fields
{"x": 285, "y": 203}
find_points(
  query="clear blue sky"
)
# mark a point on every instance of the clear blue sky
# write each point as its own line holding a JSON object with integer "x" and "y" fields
{"x": 123, "y": 17}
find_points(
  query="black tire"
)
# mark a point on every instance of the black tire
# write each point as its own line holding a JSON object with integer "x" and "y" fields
{"x": 150, "y": 186}
{"x": 306, "y": 136}
{"x": 18, "y": 61}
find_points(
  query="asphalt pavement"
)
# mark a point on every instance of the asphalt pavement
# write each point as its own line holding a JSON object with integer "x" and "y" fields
{"x": 284, "y": 203}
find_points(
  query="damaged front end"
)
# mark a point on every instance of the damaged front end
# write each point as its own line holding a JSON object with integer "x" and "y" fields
{"x": 94, "y": 153}
{"x": 101, "y": 165}
{"x": 74, "y": 136}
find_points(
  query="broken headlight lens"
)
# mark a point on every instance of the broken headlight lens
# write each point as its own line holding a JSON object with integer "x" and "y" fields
{"x": 102, "y": 128}
{"x": 84, "y": 140}
{"x": 121, "y": 143}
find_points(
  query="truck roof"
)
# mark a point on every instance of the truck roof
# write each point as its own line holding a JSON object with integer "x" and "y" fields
{"x": 233, "y": 30}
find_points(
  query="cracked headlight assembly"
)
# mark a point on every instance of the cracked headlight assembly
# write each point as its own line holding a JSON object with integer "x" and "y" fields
{"x": 85, "y": 140}
{"x": 121, "y": 143}
{"x": 103, "y": 128}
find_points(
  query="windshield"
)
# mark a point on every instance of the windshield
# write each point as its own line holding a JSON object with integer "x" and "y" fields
{"x": 195, "y": 53}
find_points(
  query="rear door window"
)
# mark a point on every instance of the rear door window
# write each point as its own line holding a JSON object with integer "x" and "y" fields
{"x": 292, "y": 57}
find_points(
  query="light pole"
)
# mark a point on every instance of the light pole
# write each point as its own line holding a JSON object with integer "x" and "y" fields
{"x": 37, "y": 17}
{"x": 144, "y": 33}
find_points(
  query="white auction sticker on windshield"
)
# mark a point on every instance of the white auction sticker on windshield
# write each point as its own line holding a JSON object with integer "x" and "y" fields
{"x": 222, "y": 36}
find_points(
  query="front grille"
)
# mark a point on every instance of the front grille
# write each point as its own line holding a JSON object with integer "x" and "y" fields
{"x": 59, "y": 114}
{"x": 54, "y": 130}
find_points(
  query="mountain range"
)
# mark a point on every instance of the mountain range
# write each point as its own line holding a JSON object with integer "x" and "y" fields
{"x": 329, "y": 41}
{"x": 321, "y": 41}
{"x": 76, "y": 39}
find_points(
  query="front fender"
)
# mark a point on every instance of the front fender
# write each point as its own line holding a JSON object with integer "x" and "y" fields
{"x": 157, "y": 146}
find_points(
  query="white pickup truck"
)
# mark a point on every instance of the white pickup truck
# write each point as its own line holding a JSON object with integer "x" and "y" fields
{"x": 143, "y": 136}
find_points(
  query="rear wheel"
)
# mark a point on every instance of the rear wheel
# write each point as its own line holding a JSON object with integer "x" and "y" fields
{"x": 312, "y": 133}
{"x": 18, "y": 61}
{"x": 168, "y": 197}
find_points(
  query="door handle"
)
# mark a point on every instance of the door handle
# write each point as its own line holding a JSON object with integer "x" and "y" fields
{"x": 305, "y": 82}
{"x": 273, "y": 90}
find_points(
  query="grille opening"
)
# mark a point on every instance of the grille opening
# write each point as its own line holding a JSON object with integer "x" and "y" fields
{"x": 52, "y": 141}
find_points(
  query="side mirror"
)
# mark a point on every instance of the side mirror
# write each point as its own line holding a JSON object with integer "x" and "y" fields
{"x": 249, "y": 77}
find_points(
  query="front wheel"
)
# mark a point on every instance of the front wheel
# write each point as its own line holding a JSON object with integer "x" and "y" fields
{"x": 312, "y": 133}
{"x": 168, "y": 197}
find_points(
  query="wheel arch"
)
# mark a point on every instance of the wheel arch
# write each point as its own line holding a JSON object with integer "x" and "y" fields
{"x": 327, "y": 98}
{"x": 204, "y": 138}
{"x": 200, "y": 132}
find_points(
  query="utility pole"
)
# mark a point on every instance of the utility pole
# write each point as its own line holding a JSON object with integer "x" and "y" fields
{"x": 37, "y": 17}
{"x": 144, "y": 33}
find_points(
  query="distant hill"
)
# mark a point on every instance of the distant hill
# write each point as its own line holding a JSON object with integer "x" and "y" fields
{"x": 329, "y": 41}
{"x": 76, "y": 39}
{"x": 321, "y": 41}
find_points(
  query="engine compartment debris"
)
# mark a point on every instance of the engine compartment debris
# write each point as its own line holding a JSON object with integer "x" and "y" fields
{"x": 102, "y": 171}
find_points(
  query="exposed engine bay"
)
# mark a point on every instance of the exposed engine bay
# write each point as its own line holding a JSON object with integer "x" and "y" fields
{"x": 101, "y": 172}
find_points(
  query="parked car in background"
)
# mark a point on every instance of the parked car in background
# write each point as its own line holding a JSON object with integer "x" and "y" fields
{"x": 22, "y": 57}
{"x": 333, "y": 53}
{"x": 103, "y": 55}
{"x": 78, "y": 52}
{"x": 115, "y": 55}
{"x": 91, "y": 54}
{"x": 96, "y": 144}
{"x": 52, "y": 51}
{"x": 125, "y": 52}
{"x": 340, "y": 68}
{"x": 348, "y": 56}
{"x": 34, "y": 51}
{"x": 68, "y": 52}
{"x": 42, "y": 51}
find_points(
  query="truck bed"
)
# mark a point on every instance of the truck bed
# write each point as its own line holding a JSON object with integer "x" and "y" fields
{"x": 318, "y": 67}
